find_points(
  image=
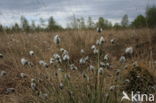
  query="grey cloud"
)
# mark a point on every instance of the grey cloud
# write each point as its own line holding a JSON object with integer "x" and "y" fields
{"x": 62, "y": 9}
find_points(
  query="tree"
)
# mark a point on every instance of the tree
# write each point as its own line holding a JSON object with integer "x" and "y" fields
{"x": 1, "y": 28}
{"x": 82, "y": 24}
{"x": 52, "y": 25}
{"x": 42, "y": 22}
{"x": 117, "y": 26}
{"x": 74, "y": 22}
{"x": 100, "y": 22}
{"x": 25, "y": 24}
{"x": 124, "y": 21}
{"x": 151, "y": 16}
{"x": 90, "y": 23}
{"x": 16, "y": 27}
{"x": 103, "y": 23}
{"x": 140, "y": 21}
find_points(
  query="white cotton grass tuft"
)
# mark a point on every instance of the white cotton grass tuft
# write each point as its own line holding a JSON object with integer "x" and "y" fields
{"x": 10, "y": 90}
{"x": 102, "y": 64}
{"x": 61, "y": 85}
{"x": 112, "y": 88}
{"x": 112, "y": 41}
{"x": 91, "y": 67}
{"x": 95, "y": 51}
{"x": 33, "y": 80}
{"x": 43, "y": 63}
{"x": 1, "y": 55}
{"x": 33, "y": 84}
{"x": 73, "y": 67}
{"x": 3, "y": 73}
{"x": 24, "y": 61}
{"x": 93, "y": 47}
{"x": 129, "y": 50}
{"x": 84, "y": 60}
{"x": 43, "y": 95}
{"x": 106, "y": 57}
{"x": 62, "y": 50}
{"x": 52, "y": 60}
{"x": 135, "y": 64}
{"x": 57, "y": 58}
{"x": 122, "y": 59}
{"x": 31, "y": 53}
{"x": 57, "y": 39}
{"x": 66, "y": 57}
{"x": 85, "y": 76}
{"x": 23, "y": 75}
{"x": 100, "y": 71}
{"x": 97, "y": 42}
{"x": 82, "y": 51}
{"x": 127, "y": 81}
{"x": 100, "y": 41}
{"x": 99, "y": 30}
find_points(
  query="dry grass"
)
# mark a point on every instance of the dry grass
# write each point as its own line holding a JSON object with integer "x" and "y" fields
{"x": 77, "y": 89}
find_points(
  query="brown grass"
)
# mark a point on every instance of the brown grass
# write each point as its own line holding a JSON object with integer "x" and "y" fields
{"x": 77, "y": 89}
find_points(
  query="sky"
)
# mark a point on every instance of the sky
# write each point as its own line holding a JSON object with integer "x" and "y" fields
{"x": 63, "y": 10}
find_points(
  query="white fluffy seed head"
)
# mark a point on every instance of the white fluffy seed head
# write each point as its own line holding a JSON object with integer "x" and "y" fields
{"x": 100, "y": 71}
{"x": 129, "y": 50}
{"x": 95, "y": 51}
{"x": 52, "y": 60}
{"x": 24, "y": 61}
{"x": 98, "y": 42}
{"x": 106, "y": 57}
{"x": 73, "y": 67}
{"x": 1, "y": 55}
{"x": 102, "y": 40}
{"x": 112, "y": 41}
{"x": 82, "y": 51}
{"x": 93, "y": 47}
{"x": 31, "y": 53}
{"x": 33, "y": 80}
{"x": 43, "y": 95}
{"x": 66, "y": 57}
{"x": 10, "y": 90}
{"x": 57, "y": 58}
{"x": 3, "y": 73}
{"x": 41, "y": 62}
{"x": 82, "y": 61}
{"x": 112, "y": 88}
{"x": 91, "y": 67}
{"x": 23, "y": 75}
{"x": 33, "y": 86}
{"x": 122, "y": 59}
{"x": 57, "y": 39}
{"x": 99, "y": 30}
{"x": 62, "y": 50}
{"x": 61, "y": 85}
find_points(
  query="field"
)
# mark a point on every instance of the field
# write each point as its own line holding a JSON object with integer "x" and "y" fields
{"x": 60, "y": 83}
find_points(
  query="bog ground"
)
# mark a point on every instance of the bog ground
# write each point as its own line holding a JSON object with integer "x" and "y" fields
{"x": 76, "y": 66}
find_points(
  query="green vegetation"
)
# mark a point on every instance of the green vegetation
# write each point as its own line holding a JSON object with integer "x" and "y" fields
{"x": 80, "y": 23}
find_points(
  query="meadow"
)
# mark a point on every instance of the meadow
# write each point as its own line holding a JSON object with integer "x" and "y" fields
{"x": 36, "y": 68}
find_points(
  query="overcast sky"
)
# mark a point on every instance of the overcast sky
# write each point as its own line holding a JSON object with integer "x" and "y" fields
{"x": 62, "y": 10}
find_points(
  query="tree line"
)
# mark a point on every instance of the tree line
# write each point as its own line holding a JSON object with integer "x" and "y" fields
{"x": 141, "y": 21}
